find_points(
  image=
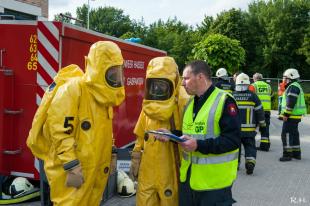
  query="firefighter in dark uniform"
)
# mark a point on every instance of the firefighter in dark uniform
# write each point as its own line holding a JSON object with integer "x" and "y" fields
{"x": 292, "y": 108}
{"x": 264, "y": 93}
{"x": 251, "y": 115}
{"x": 223, "y": 80}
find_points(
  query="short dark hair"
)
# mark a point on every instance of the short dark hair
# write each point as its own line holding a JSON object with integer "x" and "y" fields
{"x": 200, "y": 66}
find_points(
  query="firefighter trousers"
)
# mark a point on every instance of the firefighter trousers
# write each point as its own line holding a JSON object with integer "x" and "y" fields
{"x": 249, "y": 149}
{"x": 290, "y": 139}
{"x": 267, "y": 120}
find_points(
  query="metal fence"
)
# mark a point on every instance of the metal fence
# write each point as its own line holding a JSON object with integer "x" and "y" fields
{"x": 274, "y": 82}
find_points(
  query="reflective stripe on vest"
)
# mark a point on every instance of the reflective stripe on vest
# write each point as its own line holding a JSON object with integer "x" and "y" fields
{"x": 300, "y": 106}
{"x": 221, "y": 169}
{"x": 263, "y": 91}
{"x": 210, "y": 160}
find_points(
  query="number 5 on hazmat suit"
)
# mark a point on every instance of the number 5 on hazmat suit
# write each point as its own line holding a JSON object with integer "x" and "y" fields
{"x": 78, "y": 127}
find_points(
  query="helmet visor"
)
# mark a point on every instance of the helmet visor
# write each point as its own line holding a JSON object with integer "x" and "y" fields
{"x": 115, "y": 76}
{"x": 158, "y": 89}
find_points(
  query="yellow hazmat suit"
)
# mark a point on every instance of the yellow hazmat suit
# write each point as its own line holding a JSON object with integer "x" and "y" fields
{"x": 36, "y": 141}
{"x": 79, "y": 125}
{"x": 158, "y": 179}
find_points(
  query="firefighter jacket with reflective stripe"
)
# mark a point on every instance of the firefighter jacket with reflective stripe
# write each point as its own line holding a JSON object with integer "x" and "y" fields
{"x": 263, "y": 91}
{"x": 208, "y": 171}
{"x": 225, "y": 85}
{"x": 293, "y": 101}
{"x": 251, "y": 112}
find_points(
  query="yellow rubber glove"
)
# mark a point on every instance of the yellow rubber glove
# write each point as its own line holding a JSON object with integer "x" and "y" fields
{"x": 75, "y": 177}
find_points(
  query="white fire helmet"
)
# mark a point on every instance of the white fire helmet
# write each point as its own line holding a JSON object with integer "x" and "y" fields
{"x": 291, "y": 74}
{"x": 20, "y": 186}
{"x": 125, "y": 186}
{"x": 242, "y": 79}
{"x": 221, "y": 72}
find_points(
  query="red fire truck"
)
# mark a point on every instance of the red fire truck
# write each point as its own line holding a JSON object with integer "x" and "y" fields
{"x": 31, "y": 53}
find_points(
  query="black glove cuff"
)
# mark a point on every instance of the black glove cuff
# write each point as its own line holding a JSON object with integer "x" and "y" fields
{"x": 72, "y": 164}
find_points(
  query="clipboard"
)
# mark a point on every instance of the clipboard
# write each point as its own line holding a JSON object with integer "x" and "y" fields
{"x": 169, "y": 135}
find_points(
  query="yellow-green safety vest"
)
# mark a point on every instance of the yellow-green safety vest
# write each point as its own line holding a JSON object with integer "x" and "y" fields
{"x": 263, "y": 91}
{"x": 211, "y": 171}
{"x": 300, "y": 106}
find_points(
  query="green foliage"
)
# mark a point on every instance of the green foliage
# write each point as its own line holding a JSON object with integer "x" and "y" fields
{"x": 172, "y": 36}
{"x": 305, "y": 48}
{"x": 284, "y": 23}
{"x": 108, "y": 20}
{"x": 205, "y": 26}
{"x": 59, "y": 17}
{"x": 232, "y": 24}
{"x": 275, "y": 35}
{"x": 220, "y": 51}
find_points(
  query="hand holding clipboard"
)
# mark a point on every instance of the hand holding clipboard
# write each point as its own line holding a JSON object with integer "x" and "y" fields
{"x": 170, "y": 136}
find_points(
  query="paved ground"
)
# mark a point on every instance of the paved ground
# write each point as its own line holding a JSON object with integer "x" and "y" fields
{"x": 273, "y": 183}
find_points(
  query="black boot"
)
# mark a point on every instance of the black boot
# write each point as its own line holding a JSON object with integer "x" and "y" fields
{"x": 285, "y": 159}
{"x": 249, "y": 166}
{"x": 297, "y": 155}
{"x": 264, "y": 146}
{"x": 287, "y": 156}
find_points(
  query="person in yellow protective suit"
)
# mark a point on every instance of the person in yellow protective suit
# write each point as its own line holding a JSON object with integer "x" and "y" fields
{"x": 79, "y": 126}
{"x": 161, "y": 108}
{"x": 36, "y": 141}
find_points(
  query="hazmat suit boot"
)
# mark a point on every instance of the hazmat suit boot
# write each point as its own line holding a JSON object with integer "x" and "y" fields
{"x": 249, "y": 166}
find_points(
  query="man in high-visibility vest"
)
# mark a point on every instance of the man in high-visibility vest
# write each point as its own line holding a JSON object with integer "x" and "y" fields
{"x": 292, "y": 108}
{"x": 264, "y": 93}
{"x": 211, "y": 128}
{"x": 223, "y": 80}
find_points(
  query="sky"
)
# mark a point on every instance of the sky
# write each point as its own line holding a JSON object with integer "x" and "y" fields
{"x": 191, "y": 12}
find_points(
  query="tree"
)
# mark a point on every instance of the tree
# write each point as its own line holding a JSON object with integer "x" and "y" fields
{"x": 220, "y": 51}
{"x": 172, "y": 36}
{"x": 107, "y": 20}
{"x": 285, "y": 23}
{"x": 233, "y": 24}
{"x": 305, "y": 49}
{"x": 61, "y": 18}
{"x": 205, "y": 26}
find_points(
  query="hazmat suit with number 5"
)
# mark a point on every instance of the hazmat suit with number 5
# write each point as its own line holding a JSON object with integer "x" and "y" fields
{"x": 157, "y": 172}
{"x": 79, "y": 127}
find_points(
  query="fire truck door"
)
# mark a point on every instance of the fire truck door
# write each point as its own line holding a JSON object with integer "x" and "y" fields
{"x": 7, "y": 115}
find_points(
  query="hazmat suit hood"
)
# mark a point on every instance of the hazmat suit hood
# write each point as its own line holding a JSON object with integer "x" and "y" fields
{"x": 161, "y": 88}
{"x": 104, "y": 73}
{"x": 68, "y": 72}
